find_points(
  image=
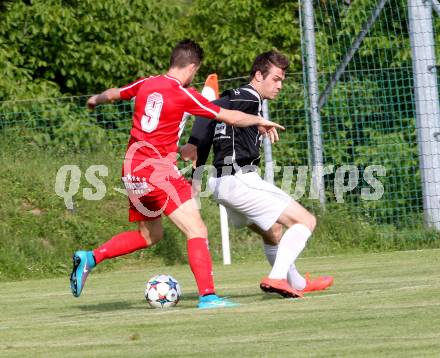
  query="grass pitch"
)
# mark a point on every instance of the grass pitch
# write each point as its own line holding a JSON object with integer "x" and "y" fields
{"x": 380, "y": 305}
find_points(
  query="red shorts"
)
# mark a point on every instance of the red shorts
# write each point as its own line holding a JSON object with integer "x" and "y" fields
{"x": 154, "y": 191}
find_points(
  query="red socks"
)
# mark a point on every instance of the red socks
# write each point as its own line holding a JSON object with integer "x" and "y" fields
{"x": 201, "y": 264}
{"x": 121, "y": 244}
{"x": 198, "y": 255}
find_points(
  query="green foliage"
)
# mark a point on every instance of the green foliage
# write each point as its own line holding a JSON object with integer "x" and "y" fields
{"x": 83, "y": 46}
{"x": 62, "y": 123}
{"x": 86, "y": 46}
{"x": 234, "y": 32}
{"x": 398, "y": 154}
{"x": 54, "y": 48}
{"x": 338, "y": 23}
{"x": 341, "y": 229}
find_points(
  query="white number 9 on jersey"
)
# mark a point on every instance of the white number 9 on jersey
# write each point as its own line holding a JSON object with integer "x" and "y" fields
{"x": 150, "y": 119}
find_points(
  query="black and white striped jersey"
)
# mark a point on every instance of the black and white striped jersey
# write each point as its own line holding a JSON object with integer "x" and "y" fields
{"x": 233, "y": 147}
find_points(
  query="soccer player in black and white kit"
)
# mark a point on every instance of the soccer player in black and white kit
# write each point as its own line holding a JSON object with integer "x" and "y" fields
{"x": 249, "y": 200}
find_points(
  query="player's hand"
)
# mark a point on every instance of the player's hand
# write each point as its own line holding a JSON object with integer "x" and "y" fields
{"x": 273, "y": 135}
{"x": 188, "y": 152}
{"x": 269, "y": 124}
{"x": 92, "y": 103}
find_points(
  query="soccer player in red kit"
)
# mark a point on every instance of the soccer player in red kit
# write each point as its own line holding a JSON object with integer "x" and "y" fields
{"x": 153, "y": 182}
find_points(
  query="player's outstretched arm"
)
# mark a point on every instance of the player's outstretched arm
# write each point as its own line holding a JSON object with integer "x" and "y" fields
{"x": 241, "y": 119}
{"x": 108, "y": 96}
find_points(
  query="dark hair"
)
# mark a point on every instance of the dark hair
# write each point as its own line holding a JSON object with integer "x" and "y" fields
{"x": 263, "y": 62}
{"x": 185, "y": 53}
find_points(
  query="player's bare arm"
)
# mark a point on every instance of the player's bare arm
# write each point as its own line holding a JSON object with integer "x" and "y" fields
{"x": 108, "y": 96}
{"x": 241, "y": 119}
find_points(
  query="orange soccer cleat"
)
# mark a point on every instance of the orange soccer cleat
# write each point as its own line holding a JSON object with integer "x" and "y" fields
{"x": 318, "y": 284}
{"x": 280, "y": 286}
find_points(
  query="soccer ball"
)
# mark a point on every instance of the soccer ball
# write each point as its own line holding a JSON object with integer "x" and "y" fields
{"x": 162, "y": 291}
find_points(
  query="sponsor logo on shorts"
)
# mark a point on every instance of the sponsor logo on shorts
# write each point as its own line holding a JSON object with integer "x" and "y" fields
{"x": 161, "y": 170}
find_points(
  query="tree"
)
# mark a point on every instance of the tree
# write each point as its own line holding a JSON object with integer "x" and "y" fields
{"x": 233, "y": 32}
{"x": 82, "y": 47}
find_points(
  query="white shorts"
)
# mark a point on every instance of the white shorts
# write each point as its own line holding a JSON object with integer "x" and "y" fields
{"x": 249, "y": 199}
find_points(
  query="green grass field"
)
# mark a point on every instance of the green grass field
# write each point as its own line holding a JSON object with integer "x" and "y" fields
{"x": 380, "y": 305}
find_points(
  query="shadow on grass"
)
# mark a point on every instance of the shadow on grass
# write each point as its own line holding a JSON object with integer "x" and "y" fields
{"x": 111, "y": 306}
{"x": 241, "y": 298}
{"x": 275, "y": 296}
{"x": 195, "y": 296}
{"x": 136, "y": 305}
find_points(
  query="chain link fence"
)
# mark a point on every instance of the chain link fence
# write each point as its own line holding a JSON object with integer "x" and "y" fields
{"x": 367, "y": 114}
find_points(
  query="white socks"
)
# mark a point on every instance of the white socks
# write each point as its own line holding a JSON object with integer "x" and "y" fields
{"x": 293, "y": 276}
{"x": 295, "y": 279}
{"x": 283, "y": 256}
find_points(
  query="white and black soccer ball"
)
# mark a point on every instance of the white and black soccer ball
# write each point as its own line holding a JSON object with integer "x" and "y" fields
{"x": 162, "y": 291}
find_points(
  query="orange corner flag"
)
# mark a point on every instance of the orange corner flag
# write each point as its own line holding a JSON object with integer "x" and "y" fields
{"x": 210, "y": 91}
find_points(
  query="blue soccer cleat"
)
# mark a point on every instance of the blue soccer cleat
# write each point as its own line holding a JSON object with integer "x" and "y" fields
{"x": 83, "y": 263}
{"x": 213, "y": 301}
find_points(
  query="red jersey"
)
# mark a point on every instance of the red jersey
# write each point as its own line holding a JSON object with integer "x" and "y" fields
{"x": 162, "y": 105}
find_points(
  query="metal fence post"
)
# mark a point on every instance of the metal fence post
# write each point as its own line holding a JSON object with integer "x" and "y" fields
{"x": 427, "y": 105}
{"x": 267, "y": 145}
{"x": 313, "y": 92}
